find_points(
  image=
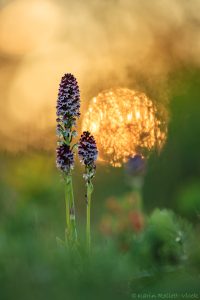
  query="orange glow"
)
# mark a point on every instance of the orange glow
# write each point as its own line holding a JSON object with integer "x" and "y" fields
{"x": 27, "y": 25}
{"x": 124, "y": 122}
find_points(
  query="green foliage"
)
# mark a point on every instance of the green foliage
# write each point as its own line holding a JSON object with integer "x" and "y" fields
{"x": 188, "y": 200}
{"x": 36, "y": 267}
{"x": 164, "y": 241}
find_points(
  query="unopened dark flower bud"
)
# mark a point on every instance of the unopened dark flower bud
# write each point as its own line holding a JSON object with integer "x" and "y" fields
{"x": 68, "y": 103}
{"x": 87, "y": 150}
{"x": 64, "y": 158}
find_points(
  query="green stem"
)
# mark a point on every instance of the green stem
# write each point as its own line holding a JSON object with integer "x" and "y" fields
{"x": 88, "y": 238}
{"x": 72, "y": 214}
{"x": 67, "y": 210}
{"x": 88, "y": 209}
{"x": 71, "y": 234}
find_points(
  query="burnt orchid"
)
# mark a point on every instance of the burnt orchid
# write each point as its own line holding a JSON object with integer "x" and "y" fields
{"x": 87, "y": 152}
{"x": 68, "y": 103}
{"x": 68, "y": 107}
{"x": 68, "y": 110}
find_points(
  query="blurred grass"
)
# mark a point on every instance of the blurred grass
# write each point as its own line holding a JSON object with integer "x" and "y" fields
{"x": 31, "y": 185}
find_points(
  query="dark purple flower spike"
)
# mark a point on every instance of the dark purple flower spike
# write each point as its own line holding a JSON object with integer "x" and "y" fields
{"x": 68, "y": 103}
{"x": 68, "y": 110}
{"x": 87, "y": 152}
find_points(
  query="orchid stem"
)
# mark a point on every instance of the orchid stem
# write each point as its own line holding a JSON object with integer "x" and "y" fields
{"x": 67, "y": 209}
{"x": 71, "y": 233}
{"x": 88, "y": 209}
{"x": 72, "y": 214}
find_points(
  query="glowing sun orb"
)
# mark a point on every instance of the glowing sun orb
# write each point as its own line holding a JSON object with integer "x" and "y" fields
{"x": 124, "y": 122}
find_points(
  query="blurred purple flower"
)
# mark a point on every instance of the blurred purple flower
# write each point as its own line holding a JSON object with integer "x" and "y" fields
{"x": 136, "y": 166}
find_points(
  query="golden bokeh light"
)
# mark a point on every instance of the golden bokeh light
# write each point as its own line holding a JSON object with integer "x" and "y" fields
{"x": 33, "y": 92}
{"x": 27, "y": 25}
{"x": 124, "y": 122}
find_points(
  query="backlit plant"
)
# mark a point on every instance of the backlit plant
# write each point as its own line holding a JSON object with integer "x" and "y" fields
{"x": 87, "y": 151}
{"x": 68, "y": 110}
